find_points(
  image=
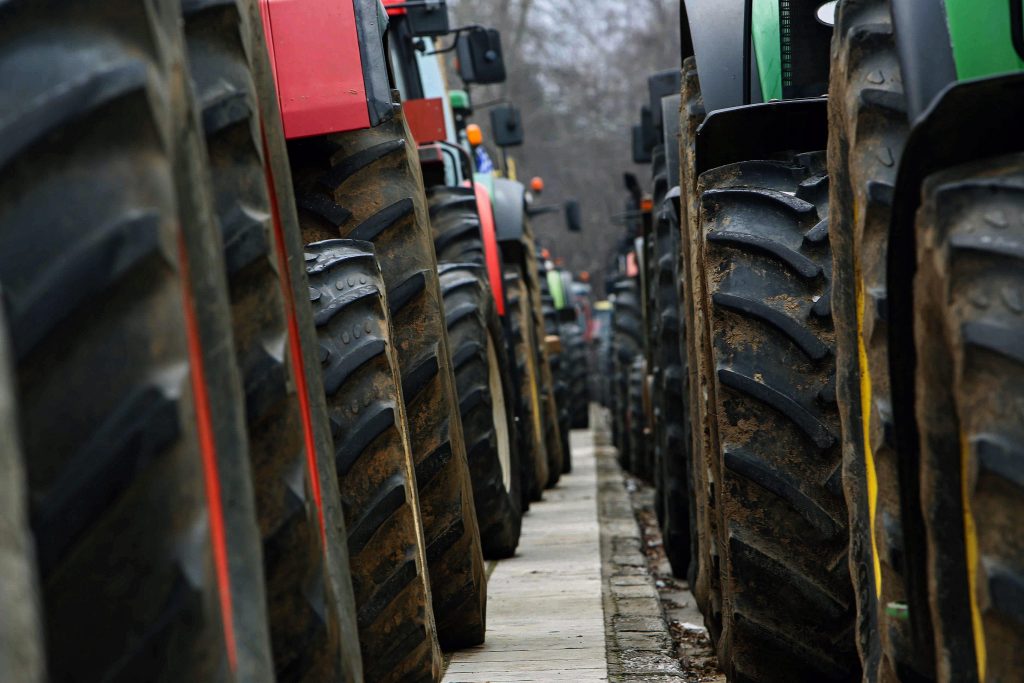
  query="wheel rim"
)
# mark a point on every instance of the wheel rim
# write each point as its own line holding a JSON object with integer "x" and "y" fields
{"x": 499, "y": 414}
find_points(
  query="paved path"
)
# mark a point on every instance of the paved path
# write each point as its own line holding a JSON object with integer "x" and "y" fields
{"x": 545, "y": 620}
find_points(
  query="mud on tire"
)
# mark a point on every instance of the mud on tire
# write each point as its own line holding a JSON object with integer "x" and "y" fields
{"x": 366, "y": 185}
{"x": 486, "y": 402}
{"x": 376, "y": 475}
{"x": 141, "y": 505}
{"x": 767, "y": 272}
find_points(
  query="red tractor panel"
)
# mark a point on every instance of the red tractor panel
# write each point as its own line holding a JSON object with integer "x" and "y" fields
{"x": 329, "y": 64}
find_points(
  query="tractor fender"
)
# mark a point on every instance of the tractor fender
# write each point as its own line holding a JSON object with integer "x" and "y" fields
{"x": 492, "y": 253}
{"x": 761, "y": 131}
{"x": 716, "y": 31}
{"x": 967, "y": 121}
{"x": 923, "y": 46}
{"x": 509, "y": 209}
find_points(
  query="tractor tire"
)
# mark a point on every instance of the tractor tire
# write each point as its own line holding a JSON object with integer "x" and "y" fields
{"x": 375, "y": 469}
{"x": 22, "y": 656}
{"x": 456, "y": 225}
{"x": 140, "y": 498}
{"x": 536, "y": 285}
{"x": 704, "y": 461}
{"x": 366, "y": 185}
{"x": 671, "y": 397}
{"x": 868, "y": 128}
{"x": 526, "y": 353}
{"x": 579, "y": 393}
{"x": 558, "y": 362}
{"x": 308, "y": 586}
{"x": 637, "y": 416}
{"x": 484, "y": 383}
{"x": 784, "y": 524}
{"x": 627, "y": 344}
{"x": 969, "y": 334}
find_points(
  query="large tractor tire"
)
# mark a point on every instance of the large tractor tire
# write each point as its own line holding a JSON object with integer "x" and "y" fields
{"x": 559, "y": 363}
{"x": 130, "y": 408}
{"x": 637, "y": 418}
{"x": 969, "y": 334}
{"x": 704, "y": 461}
{"x": 788, "y": 604}
{"x": 375, "y": 469}
{"x": 484, "y": 382}
{"x": 575, "y": 348}
{"x": 627, "y": 344}
{"x": 305, "y": 563}
{"x": 671, "y": 398}
{"x": 455, "y": 221}
{"x": 526, "y": 353}
{"x": 22, "y": 656}
{"x": 367, "y": 185}
{"x": 868, "y": 128}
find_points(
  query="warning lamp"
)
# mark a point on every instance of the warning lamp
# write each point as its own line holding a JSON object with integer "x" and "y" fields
{"x": 559, "y": 262}
{"x": 545, "y": 254}
{"x": 474, "y": 134}
{"x": 646, "y": 204}
{"x": 537, "y": 184}
{"x": 584, "y": 276}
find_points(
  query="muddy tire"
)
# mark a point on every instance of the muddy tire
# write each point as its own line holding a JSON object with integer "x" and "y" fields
{"x": 627, "y": 344}
{"x": 376, "y": 474}
{"x": 309, "y": 594}
{"x": 637, "y": 417}
{"x": 579, "y": 391}
{"x": 868, "y": 128}
{"x": 486, "y": 399}
{"x": 366, "y": 185}
{"x": 969, "y": 333}
{"x": 703, "y": 461}
{"x": 456, "y": 225}
{"x": 558, "y": 362}
{"x": 671, "y": 396}
{"x": 767, "y": 273}
{"x": 141, "y": 504}
{"x": 527, "y": 371}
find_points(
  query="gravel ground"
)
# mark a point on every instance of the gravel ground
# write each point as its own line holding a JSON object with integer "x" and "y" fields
{"x": 692, "y": 646}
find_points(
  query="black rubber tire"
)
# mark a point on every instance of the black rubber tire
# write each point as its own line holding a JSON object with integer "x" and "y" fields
{"x": 969, "y": 334}
{"x": 627, "y": 344}
{"x": 141, "y": 501}
{"x": 558, "y": 363}
{"x": 22, "y": 655}
{"x": 767, "y": 272}
{"x": 309, "y": 594}
{"x": 579, "y": 393}
{"x": 868, "y": 128}
{"x": 486, "y": 401}
{"x": 526, "y": 353}
{"x": 704, "y": 461}
{"x": 375, "y": 469}
{"x": 671, "y": 397}
{"x": 455, "y": 221}
{"x": 637, "y": 416}
{"x": 367, "y": 185}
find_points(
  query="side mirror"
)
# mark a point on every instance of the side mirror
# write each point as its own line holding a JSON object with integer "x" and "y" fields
{"x": 507, "y": 126}
{"x": 480, "y": 56}
{"x": 573, "y": 218}
{"x": 641, "y": 155}
{"x": 428, "y": 18}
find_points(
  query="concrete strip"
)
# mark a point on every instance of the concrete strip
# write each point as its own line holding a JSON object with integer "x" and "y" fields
{"x": 545, "y": 620}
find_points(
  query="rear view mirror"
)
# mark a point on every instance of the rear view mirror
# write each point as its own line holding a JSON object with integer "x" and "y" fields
{"x": 428, "y": 18}
{"x": 507, "y": 126}
{"x": 480, "y": 56}
{"x": 573, "y": 217}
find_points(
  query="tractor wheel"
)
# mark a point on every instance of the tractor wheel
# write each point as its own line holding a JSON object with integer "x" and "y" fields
{"x": 375, "y": 468}
{"x": 637, "y": 416}
{"x": 484, "y": 384}
{"x": 309, "y": 593}
{"x": 579, "y": 398}
{"x": 671, "y": 429}
{"x": 536, "y": 285}
{"x": 527, "y": 370}
{"x": 868, "y": 128}
{"x": 627, "y": 344}
{"x": 366, "y": 185}
{"x": 767, "y": 273}
{"x": 21, "y": 634}
{"x": 696, "y": 350}
{"x": 130, "y": 410}
{"x": 969, "y": 333}
{"x": 559, "y": 364}
{"x": 456, "y": 225}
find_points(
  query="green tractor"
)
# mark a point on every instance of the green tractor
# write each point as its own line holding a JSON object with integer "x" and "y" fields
{"x": 852, "y": 325}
